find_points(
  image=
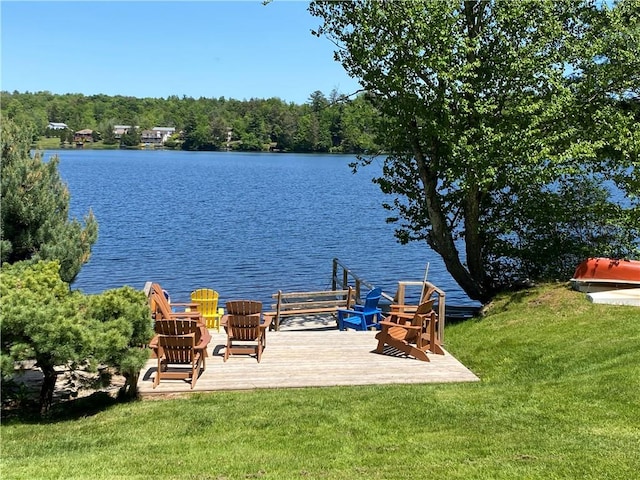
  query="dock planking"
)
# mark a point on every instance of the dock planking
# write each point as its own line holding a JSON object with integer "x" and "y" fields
{"x": 310, "y": 357}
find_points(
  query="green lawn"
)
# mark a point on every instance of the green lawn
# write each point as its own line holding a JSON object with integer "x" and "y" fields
{"x": 559, "y": 397}
{"x": 47, "y": 143}
{"x": 53, "y": 143}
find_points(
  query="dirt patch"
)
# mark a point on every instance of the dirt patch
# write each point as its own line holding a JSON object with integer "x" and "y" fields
{"x": 166, "y": 396}
{"x": 26, "y": 384}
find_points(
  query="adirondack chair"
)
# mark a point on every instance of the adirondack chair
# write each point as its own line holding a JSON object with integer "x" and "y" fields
{"x": 162, "y": 309}
{"x": 207, "y": 300}
{"x": 362, "y": 317}
{"x": 181, "y": 348}
{"x": 243, "y": 307}
{"x": 413, "y": 334}
{"x": 411, "y": 309}
{"x": 245, "y": 335}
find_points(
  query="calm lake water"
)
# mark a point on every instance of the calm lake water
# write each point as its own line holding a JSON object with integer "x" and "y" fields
{"x": 244, "y": 224}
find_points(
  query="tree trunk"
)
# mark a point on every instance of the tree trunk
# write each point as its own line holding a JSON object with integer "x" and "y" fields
{"x": 473, "y": 11}
{"x": 129, "y": 390}
{"x": 442, "y": 242}
{"x": 48, "y": 387}
{"x": 472, "y": 239}
{"x": 440, "y": 238}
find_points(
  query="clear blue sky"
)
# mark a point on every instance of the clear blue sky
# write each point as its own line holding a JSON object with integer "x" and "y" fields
{"x": 231, "y": 49}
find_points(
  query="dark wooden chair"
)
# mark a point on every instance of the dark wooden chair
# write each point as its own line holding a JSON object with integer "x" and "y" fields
{"x": 181, "y": 348}
{"x": 243, "y": 307}
{"x": 162, "y": 309}
{"x": 245, "y": 335}
{"x": 411, "y": 333}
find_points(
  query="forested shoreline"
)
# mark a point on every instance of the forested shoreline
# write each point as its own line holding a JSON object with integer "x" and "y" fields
{"x": 334, "y": 123}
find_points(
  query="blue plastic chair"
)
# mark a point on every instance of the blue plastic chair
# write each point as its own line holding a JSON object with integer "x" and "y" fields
{"x": 364, "y": 317}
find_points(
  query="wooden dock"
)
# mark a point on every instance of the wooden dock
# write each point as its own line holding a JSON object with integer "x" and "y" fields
{"x": 308, "y": 354}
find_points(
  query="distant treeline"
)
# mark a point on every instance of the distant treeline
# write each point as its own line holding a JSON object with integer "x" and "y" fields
{"x": 323, "y": 124}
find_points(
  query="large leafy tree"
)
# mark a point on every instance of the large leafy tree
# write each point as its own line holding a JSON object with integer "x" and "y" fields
{"x": 35, "y": 223}
{"x": 358, "y": 119}
{"x": 502, "y": 123}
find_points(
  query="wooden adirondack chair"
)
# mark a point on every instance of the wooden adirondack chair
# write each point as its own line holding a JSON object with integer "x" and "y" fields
{"x": 161, "y": 309}
{"x": 411, "y": 309}
{"x": 181, "y": 348}
{"x": 245, "y": 335}
{"x": 243, "y": 307}
{"x": 414, "y": 334}
{"x": 207, "y": 300}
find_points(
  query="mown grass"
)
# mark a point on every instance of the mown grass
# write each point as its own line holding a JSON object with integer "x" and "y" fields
{"x": 559, "y": 398}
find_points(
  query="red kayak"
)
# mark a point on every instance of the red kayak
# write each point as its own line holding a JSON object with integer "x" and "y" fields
{"x": 598, "y": 274}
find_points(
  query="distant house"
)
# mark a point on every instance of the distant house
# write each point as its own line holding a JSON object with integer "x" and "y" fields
{"x": 119, "y": 130}
{"x": 57, "y": 126}
{"x": 157, "y": 135}
{"x": 165, "y": 132}
{"x": 82, "y": 136}
{"x": 150, "y": 137}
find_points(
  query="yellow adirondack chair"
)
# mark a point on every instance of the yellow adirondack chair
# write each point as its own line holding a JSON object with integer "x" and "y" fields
{"x": 207, "y": 301}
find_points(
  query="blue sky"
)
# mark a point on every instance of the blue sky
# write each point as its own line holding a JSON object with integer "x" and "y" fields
{"x": 231, "y": 49}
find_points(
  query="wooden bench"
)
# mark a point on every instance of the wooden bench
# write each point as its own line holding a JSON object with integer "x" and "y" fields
{"x": 308, "y": 303}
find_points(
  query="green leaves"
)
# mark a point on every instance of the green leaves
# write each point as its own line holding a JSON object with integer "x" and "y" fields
{"x": 41, "y": 319}
{"x": 40, "y": 313}
{"x": 123, "y": 323}
{"x": 35, "y": 220}
{"x": 487, "y": 108}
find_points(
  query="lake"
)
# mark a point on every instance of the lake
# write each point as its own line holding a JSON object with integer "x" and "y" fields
{"x": 244, "y": 224}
